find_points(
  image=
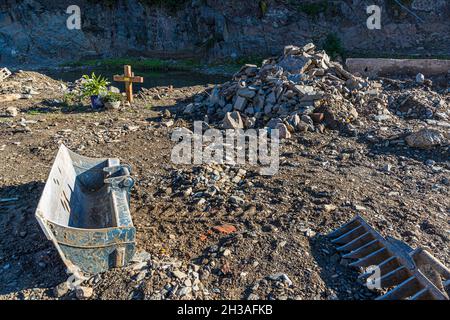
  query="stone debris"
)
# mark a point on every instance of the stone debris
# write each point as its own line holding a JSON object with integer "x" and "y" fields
{"x": 25, "y": 84}
{"x": 209, "y": 185}
{"x": 425, "y": 139}
{"x": 61, "y": 290}
{"x": 301, "y": 90}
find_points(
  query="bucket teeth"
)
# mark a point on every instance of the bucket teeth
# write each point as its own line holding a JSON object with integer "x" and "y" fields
{"x": 363, "y": 250}
{"x": 356, "y": 243}
{"x": 344, "y": 229}
{"x": 406, "y": 289}
{"x": 396, "y": 265}
{"x": 350, "y": 235}
{"x": 394, "y": 277}
{"x": 423, "y": 294}
{"x": 385, "y": 267}
{"x": 372, "y": 259}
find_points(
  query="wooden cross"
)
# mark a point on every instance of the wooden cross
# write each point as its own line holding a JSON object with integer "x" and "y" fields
{"x": 128, "y": 77}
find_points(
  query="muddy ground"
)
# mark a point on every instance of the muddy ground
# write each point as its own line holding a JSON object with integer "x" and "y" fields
{"x": 280, "y": 227}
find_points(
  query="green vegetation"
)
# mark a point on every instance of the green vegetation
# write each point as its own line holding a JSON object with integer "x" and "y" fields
{"x": 71, "y": 100}
{"x": 112, "y": 97}
{"x": 263, "y": 7}
{"x": 139, "y": 63}
{"x": 34, "y": 112}
{"x": 172, "y": 6}
{"x": 94, "y": 85}
{"x": 233, "y": 65}
{"x": 333, "y": 46}
{"x": 312, "y": 9}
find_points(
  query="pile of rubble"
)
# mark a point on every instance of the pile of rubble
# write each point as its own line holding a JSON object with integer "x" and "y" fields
{"x": 299, "y": 91}
{"x": 417, "y": 104}
{"x": 30, "y": 83}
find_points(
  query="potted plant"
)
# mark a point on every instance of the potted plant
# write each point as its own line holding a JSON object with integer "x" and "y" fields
{"x": 93, "y": 87}
{"x": 112, "y": 100}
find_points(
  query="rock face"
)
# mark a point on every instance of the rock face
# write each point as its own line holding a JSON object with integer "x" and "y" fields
{"x": 34, "y": 31}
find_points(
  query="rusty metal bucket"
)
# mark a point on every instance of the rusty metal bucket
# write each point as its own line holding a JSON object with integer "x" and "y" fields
{"x": 84, "y": 211}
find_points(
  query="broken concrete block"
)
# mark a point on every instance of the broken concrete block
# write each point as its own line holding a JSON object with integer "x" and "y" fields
{"x": 240, "y": 103}
{"x": 233, "y": 120}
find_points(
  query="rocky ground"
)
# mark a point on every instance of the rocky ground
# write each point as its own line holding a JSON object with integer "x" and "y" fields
{"x": 244, "y": 236}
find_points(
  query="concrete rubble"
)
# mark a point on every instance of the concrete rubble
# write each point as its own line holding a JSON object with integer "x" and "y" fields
{"x": 302, "y": 90}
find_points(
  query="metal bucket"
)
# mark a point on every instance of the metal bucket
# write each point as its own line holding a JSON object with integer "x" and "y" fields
{"x": 84, "y": 211}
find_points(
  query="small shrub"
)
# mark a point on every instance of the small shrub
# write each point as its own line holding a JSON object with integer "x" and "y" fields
{"x": 94, "y": 85}
{"x": 71, "y": 99}
{"x": 263, "y": 7}
{"x": 313, "y": 8}
{"x": 333, "y": 46}
{"x": 112, "y": 97}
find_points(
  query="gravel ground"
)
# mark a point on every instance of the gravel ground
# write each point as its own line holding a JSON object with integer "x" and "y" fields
{"x": 275, "y": 249}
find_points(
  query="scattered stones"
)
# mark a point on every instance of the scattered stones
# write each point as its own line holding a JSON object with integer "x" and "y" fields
{"x": 179, "y": 274}
{"x": 281, "y": 277}
{"x": 237, "y": 200}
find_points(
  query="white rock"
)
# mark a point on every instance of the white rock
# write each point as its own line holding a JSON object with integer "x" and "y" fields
{"x": 233, "y": 120}
{"x": 420, "y": 78}
{"x": 179, "y": 274}
{"x": 12, "y": 112}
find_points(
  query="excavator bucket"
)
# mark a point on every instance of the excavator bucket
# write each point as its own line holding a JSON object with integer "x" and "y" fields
{"x": 406, "y": 273}
{"x": 84, "y": 211}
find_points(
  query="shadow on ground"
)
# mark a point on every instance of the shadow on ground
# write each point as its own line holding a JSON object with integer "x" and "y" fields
{"x": 339, "y": 278}
{"x": 27, "y": 259}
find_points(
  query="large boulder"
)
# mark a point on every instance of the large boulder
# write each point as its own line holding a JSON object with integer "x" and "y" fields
{"x": 425, "y": 139}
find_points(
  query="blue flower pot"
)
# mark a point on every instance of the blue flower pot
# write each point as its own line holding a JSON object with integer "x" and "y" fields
{"x": 96, "y": 102}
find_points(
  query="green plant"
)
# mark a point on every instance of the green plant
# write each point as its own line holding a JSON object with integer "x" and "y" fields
{"x": 263, "y": 7}
{"x": 71, "y": 99}
{"x": 112, "y": 97}
{"x": 311, "y": 8}
{"x": 93, "y": 85}
{"x": 333, "y": 46}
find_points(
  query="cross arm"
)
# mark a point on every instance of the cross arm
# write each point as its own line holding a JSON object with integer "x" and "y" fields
{"x": 128, "y": 79}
